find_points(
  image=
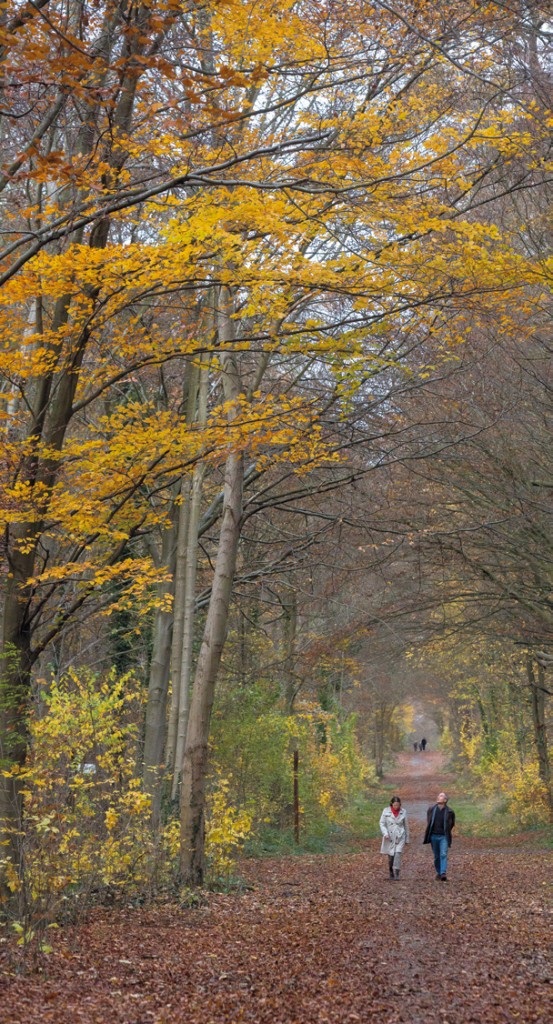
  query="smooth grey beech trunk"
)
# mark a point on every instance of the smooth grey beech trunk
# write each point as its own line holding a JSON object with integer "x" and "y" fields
{"x": 183, "y": 515}
{"x": 178, "y": 620}
{"x": 183, "y": 681}
{"x": 194, "y": 769}
{"x": 185, "y": 591}
{"x": 195, "y": 755}
{"x": 158, "y": 684}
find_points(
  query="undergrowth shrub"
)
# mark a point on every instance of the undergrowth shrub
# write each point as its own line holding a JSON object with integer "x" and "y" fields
{"x": 520, "y": 786}
{"x": 86, "y": 818}
{"x": 227, "y": 829}
{"x": 86, "y": 832}
{"x": 502, "y": 772}
{"x": 255, "y": 752}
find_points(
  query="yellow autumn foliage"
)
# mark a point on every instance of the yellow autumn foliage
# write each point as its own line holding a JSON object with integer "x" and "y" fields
{"x": 86, "y": 820}
{"x": 227, "y": 828}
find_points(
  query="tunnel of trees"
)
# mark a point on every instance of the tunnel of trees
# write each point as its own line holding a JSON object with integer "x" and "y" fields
{"x": 275, "y": 405}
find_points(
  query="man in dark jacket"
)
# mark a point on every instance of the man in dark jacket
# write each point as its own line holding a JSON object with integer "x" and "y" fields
{"x": 440, "y": 821}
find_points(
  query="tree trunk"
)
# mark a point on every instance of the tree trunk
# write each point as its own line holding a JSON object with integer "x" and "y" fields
{"x": 15, "y": 684}
{"x": 290, "y": 608}
{"x": 187, "y": 644}
{"x": 51, "y": 414}
{"x": 196, "y": 391}
{"x": 178, "y": 621}
{"x": 16, "y": 655}
{"x": 192, "y": 860}
{"x": 379, "y": 742}
{"x": 155, "y": 726}
{"x": 537, "y": 700}
{"x": 194, "y": 769}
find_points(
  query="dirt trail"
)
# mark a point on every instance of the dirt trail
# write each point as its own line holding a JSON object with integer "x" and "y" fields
{"x": 418, "y": 778}
{"x": 320, "y": 940}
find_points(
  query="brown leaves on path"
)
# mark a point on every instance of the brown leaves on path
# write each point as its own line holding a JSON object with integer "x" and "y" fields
{"x": 316, "y": 939}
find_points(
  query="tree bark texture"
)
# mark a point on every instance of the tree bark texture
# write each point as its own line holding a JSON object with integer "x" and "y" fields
{"x": 155, "y": 725}
{"x": 195, "y": 759}
{"x": 178, "y": 620}
{"x": 183, "y": 681}
{"x": 192, "y": 864}
{"x": 182, "y": 671}
{"x": 290, "y": 622}
{"x": 537, "y": 700}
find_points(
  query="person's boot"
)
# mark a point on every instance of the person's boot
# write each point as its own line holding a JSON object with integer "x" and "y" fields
{"x": 391, "y": 866}
{"x": 396, "y": 874}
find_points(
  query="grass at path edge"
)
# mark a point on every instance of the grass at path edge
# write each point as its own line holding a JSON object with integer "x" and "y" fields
{"x": 478, "y": 816}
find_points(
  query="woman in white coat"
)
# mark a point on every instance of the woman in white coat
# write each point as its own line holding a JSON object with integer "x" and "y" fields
{"x": 395, "y": 834}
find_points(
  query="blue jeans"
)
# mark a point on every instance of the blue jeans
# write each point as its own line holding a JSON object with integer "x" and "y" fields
{"x": 439, "y": 849}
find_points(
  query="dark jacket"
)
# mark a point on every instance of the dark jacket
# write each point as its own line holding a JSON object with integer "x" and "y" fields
{"x": 449, "y": 822}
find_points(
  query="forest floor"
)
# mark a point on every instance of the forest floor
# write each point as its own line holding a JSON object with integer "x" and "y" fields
{"x": 319, "y": 940}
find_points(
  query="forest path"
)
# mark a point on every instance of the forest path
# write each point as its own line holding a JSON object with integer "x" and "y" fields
{"x": 418, "y": 778}
{"x": 320, "y": 940}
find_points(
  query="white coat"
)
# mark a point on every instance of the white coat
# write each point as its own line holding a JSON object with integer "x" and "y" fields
{"x": 395, "y": 831}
